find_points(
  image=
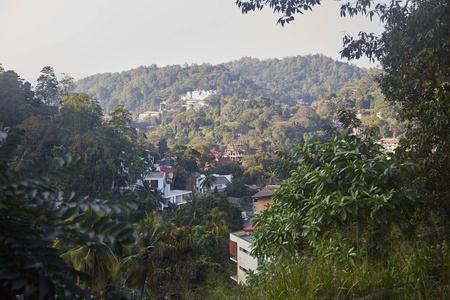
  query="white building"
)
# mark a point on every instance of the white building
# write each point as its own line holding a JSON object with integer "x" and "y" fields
{"x": 149, "y": 114}
{"x": 195, "y": 98}
{"x": 198, "y": 95}
{"x": 389, "y": 144}
{"x": 240, "y": 253}
{"x": 159, "y": 181}
{"x": 221, "y": 182}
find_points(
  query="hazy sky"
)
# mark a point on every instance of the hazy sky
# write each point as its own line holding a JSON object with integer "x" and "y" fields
{"x": 86, "y": 37}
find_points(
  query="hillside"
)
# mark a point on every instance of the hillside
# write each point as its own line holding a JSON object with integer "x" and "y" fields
{"x": 290, "y": 80}
{"x": 266, "y": 104}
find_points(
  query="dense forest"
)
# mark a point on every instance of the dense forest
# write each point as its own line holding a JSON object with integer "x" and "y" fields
{"x": 289, "y": 80}
{"x": 348, "y": 221}
{"x": 266, "y": 104}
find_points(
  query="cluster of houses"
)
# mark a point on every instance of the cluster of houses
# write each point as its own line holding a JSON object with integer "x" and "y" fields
{"x": 240, "y": 241}
{"x": 195, "y": 99}
{"x": 162, "y": 178}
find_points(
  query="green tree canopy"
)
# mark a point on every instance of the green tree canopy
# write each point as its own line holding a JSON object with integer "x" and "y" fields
{"x": 341, "y": 185}
{"x": 33, "y": 213}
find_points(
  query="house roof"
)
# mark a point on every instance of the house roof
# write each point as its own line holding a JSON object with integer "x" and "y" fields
{"x": 216, "y": 152}
{"x": 221, "y": 180}
{"x": 224, "y": 161}
{"x": 164, "y": 162}
{"x": 155, "y": 175}
{"x": 249, "y": 228}
{"x": 267, "y": 191}
{"x": 167, "y": 169}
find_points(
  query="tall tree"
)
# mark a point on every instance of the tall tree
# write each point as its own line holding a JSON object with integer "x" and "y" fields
{"x": 416, "y": 76}
{"x": 48, "y": 89}
{"x": 342, "y": 185}
{"x": 79, "y": 114}
{"x": 98, "y": 261}
{"x": 39, "y": 137}
{"x": 140, "y": 266}
{"x": 17, "y": 100}
{"x": 67, "y": 83}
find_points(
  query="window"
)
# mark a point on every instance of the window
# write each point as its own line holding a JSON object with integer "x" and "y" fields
{"x": 154, "y": 183}
{"x": 243, "y": 269}
{"x": 244, "y": 250}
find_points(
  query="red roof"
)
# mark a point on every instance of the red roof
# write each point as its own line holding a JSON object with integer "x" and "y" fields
{"x": 224, "y": 161}
{"x": 249, "y": 228}
{"x": 167, "y": 170}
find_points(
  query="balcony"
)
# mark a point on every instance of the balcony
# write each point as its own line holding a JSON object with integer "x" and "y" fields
{"x": 234, "y": 277}
{"x": 233, "y": 258}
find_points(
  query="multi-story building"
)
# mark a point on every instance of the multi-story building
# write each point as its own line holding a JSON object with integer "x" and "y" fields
{"x": 235, "y": 152}
{"x": 158, "y": 180}
{"x": 240, "y": 252}
{"x": 241, "y": 241}
{"x": 389, "y": 145}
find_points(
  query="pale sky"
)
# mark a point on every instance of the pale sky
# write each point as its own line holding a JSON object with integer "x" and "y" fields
{"x": 86, "y": 37}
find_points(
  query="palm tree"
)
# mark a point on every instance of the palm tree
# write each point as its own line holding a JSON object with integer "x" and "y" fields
{"x": 140, "y": 266}
{"x": 188, "y": 214}
{"x": 98, "y": 261}
{"x": 217, "y": 224}
{"x": 209, "y": 181}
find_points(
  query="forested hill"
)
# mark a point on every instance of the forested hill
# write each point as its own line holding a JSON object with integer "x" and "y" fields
{"x": 298, "y": 78}
{"x": 290, "y": 80}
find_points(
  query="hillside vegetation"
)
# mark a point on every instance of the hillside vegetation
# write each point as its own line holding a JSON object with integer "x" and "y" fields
{"x": 289, "y": 79}
{"x": 267, "y": 104}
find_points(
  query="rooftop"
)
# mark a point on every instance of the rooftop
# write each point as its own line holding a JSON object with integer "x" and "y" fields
{"x": 155, "y": 175}
{"x": 167, "y": 169}
{"x": 177, "y": 193}
{"x": 247, "y": 236}
{"x": 267, "y": 191}
{"x": 221, "y": 180}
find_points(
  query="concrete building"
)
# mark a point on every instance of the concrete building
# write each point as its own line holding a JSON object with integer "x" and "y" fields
{"x": 389, "y": 145}
{"x": 195, "y": 99}
{"x": 240, "y": 253}
{"x": 263, "y": 198}
{"x": 235, "y": 152}
{"x": 158, "y": 180}
{"x": 241, "y": 241}
{"x": 148, "y": 114}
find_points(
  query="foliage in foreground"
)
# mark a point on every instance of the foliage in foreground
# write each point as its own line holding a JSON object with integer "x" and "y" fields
{"x": 33, "y": 213}
{"x": 414, "y": 271}
{"x": 343, "y": 192}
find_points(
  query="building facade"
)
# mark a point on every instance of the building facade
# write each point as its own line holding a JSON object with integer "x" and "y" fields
{"x": 240, "y": 253}
{"x": 158, "y": 180}
{"x": 264, "y": 198}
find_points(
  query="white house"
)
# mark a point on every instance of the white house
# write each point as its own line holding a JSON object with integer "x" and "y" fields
{"x": 148, "y": 114}
{"x": 159, "y": 181}
{"x": 221, "y": 182}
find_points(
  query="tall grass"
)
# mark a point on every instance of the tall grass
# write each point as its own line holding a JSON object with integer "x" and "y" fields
{"x": 409, "y": 271}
